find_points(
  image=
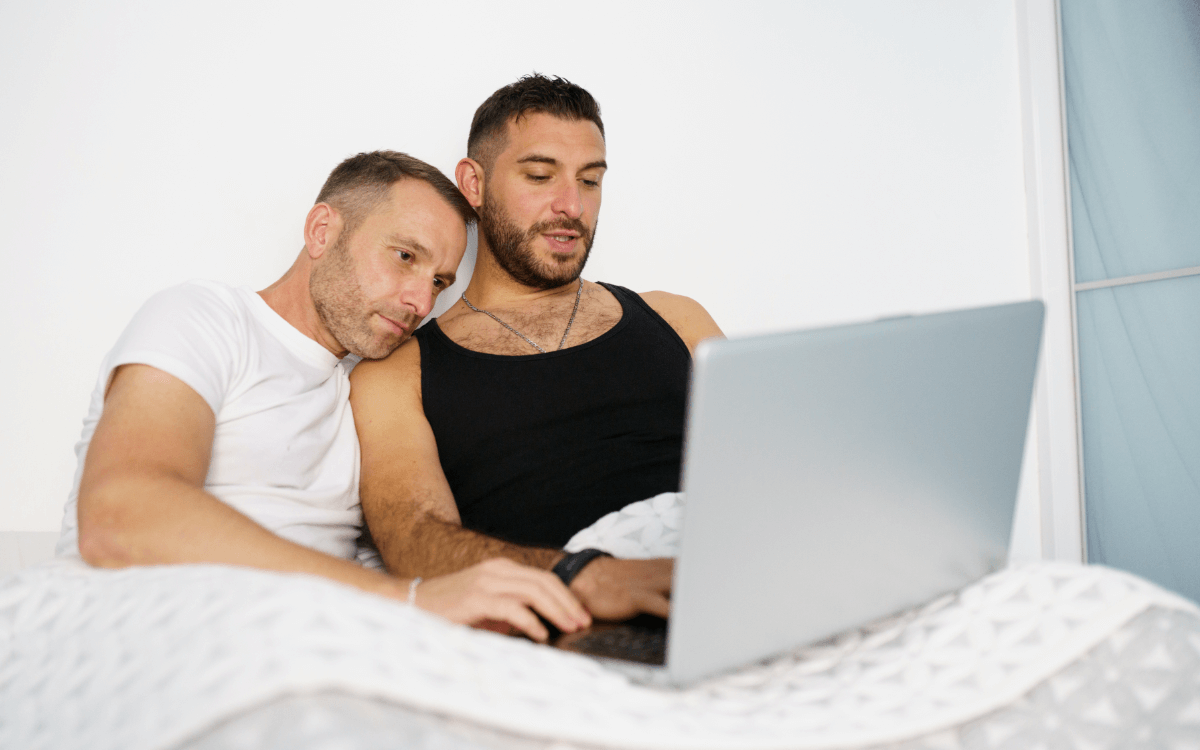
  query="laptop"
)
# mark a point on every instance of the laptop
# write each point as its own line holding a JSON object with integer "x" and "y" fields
{"x": 839, "y": 475}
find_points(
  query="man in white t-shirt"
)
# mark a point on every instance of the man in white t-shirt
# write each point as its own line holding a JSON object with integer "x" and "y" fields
{"x": 220, "y": 428}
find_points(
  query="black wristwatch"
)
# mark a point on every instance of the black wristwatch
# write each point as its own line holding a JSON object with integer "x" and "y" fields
{"x": 569, "y": 567}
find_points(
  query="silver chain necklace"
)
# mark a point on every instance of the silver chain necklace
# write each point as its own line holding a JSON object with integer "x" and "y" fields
{"x": 528, "y": 340}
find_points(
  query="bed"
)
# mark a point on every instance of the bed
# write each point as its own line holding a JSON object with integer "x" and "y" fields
{"x": 1047, "y": 655}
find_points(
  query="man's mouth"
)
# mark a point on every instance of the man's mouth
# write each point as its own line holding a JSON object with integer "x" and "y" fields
{"x": 562, "y": 236}
{"x": 400, "y": 329}
{"x": 563, "y": 240}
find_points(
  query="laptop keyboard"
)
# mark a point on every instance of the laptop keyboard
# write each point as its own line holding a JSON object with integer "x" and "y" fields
{"x": 642, "y": 639}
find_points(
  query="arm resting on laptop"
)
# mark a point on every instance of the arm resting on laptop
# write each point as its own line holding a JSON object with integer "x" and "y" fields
{"x": 410, "y": 509}
{"x": 142, "y": 502}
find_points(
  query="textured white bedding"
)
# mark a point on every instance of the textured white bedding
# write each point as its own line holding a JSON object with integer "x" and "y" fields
{"x": 182, "y": 656}
{"x": 1121, "y": 694}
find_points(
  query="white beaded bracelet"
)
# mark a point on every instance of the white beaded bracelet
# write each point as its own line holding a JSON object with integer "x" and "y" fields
{"x": 412, "y": 591}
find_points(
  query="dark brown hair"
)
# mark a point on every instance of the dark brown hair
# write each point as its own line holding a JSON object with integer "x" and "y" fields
{"x": 359, "y": 183}
{"x": 532, "y": 93}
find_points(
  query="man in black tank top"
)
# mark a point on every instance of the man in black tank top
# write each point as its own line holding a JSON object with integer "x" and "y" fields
{"x": 540, "y": 401}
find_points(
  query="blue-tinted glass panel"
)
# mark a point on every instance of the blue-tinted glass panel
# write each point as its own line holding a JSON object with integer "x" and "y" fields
{"x": 1139, "y": 361}
{"x": 1132, "y": 75}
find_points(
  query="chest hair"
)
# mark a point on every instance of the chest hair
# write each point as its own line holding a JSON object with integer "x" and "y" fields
{"x": 543, "y": 321}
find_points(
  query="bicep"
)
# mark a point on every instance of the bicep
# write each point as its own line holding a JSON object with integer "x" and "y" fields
{"x": 153, "y": 424}
{"x": 401, "y": 474}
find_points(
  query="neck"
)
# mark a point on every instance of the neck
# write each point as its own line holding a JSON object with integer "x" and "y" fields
{"x": 291, "y": 299}
{"x": 491, "y": 285}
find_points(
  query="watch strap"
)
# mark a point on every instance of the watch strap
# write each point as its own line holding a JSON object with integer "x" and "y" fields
{"x": 567, "y": 568}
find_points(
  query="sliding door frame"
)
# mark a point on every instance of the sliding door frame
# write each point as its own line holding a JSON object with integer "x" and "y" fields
{"x": 1056, "y": 425}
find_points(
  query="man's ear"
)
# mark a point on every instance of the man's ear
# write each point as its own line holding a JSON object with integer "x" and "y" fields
{"x": 321, "y": 229}
{"x": 469, "y": 174}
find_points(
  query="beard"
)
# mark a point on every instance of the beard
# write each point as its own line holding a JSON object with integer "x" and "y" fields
{"x": 343, "y": 308}
{"x": 513, "y": 249}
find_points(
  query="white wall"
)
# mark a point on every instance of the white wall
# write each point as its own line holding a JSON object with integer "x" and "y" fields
{"x": 787, "y": 164}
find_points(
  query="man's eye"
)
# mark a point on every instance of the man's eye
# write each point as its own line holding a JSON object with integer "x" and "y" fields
{"x": 591, "y": 183}
{"x": 404, "y": 255}
{"x": 539, "y": 177}
{"x": 439, "y": 284}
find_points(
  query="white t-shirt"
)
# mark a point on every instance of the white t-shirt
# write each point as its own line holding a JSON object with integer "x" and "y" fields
{"x": 285, "y": 452}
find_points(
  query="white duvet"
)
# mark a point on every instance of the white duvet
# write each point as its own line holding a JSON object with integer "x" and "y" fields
{"x": 149, "y": 657}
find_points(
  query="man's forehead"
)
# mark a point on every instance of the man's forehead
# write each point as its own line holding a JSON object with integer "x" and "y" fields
{"x": 412, "y": 198}
{"x": 545, "y": 136}
{"x": 413, "y": 208}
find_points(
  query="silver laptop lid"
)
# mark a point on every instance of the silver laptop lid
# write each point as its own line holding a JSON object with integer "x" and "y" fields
{"x": 835, "y": 476}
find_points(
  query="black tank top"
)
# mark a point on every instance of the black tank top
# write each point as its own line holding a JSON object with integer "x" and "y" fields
{"x": 538, "y": 447}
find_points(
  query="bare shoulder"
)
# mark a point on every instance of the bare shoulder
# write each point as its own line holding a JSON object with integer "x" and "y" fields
{"x": 687, "y": 316}
{"x": 396, "y": 376}
{"x": 667, "y": 302}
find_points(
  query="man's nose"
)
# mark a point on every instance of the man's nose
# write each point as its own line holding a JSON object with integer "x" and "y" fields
{"x": 417, "y": 296}
{"x": 568, "y": 201}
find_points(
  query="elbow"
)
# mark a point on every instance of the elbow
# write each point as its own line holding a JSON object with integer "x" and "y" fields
{"x": 404, "y": 547}
{"x": 398, "y": 558}
{"x": 102, "y": 543}
{"x": 100, "y": 548}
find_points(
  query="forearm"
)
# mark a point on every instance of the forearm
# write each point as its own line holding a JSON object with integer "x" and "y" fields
{"x": 157, "y": 520}
{"x": 429, "y": 546}
{"x": 609, "y": 588}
